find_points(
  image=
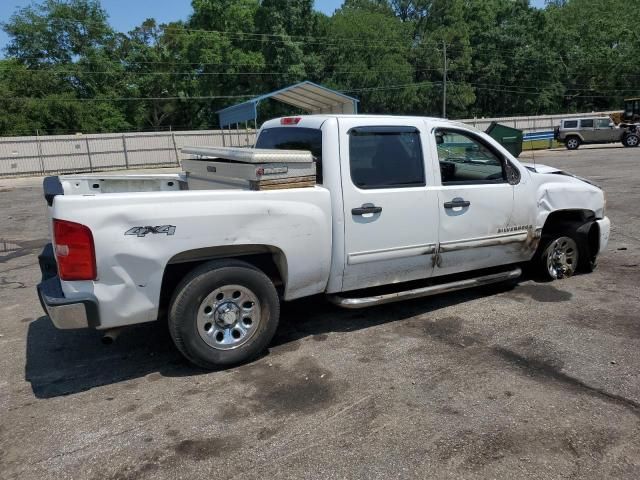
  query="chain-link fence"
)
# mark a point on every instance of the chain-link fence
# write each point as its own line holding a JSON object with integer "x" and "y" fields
{"x": 40, "y": 155}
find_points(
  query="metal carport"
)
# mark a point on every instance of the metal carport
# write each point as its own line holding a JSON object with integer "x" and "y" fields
{"x": 307, "y": 96}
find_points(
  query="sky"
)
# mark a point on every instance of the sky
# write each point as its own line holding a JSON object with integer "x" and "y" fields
{"x": 124, "y": 15}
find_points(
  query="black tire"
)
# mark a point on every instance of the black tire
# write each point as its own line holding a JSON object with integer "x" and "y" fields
{"x": 631, "y": 140}
{"x": 572, "y": 143}
{"x": 588, "y": 265}
{"x": 185, "y": 313}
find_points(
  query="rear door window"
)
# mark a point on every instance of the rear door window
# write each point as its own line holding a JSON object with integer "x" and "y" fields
{"x": 386, "y": 157}
{"x": 294, "y": 138}
{"x": 586, "y": 123}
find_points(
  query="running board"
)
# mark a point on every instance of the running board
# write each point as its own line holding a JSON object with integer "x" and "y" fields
{"x": 362, "y": 302}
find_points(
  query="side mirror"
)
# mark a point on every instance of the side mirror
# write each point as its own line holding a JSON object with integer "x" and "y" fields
{"x": 439, "y": 139}
{"x": 513, "y": 174}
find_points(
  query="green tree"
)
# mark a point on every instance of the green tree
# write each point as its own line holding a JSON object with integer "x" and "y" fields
{"x": 367, "y": 54}
{"x": 57, "y": 48}
{"x": 56, "y": 31}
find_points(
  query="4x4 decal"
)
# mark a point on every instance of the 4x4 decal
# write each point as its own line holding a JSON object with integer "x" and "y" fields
{"x": 143, "y": 231}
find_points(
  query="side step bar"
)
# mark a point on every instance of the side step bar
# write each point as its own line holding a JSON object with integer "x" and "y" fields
{"x": 362, "y": 302}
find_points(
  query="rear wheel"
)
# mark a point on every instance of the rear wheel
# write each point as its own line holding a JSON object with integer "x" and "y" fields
{"x": 572, "y": 143}
{"x": 223, "y": 313}
{"x": 631, "y": 140}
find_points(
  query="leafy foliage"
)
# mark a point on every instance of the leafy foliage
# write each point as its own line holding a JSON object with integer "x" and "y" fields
{"x": 67, "y": 70}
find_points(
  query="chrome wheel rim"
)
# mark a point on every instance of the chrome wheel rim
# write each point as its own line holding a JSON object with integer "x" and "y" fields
{"x": 632, "y": 141}
{"x": 573, "y": 143}
{"x": 228, "y": 317}
{"x": 562, "y": 257}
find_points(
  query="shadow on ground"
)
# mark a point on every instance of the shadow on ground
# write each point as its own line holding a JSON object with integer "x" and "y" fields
{"x": 63, "y": 362}
{"x": 66, "y": 362}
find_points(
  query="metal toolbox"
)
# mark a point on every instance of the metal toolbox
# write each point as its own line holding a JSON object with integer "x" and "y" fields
{"x": 255, "y": 169}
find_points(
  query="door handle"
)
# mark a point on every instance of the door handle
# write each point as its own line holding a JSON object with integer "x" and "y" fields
{"x": 365, "y": 209}
{"x": 457, "y": 203}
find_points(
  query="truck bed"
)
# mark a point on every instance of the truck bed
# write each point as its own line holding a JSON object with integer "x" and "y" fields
{"x": 98, "y": 184}
{"x": 209, "y": 168}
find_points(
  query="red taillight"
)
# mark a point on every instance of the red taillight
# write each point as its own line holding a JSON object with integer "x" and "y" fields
{"x": 74, "y": 249}
{"x": 290, "y": 120}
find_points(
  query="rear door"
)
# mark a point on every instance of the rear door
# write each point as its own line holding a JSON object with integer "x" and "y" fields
{"x": 588, "y": 131}
{"x": 390, "y": 203}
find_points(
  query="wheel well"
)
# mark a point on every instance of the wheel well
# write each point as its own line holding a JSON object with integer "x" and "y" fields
{"x": 581, "y": 221}
{"x": 269, "y": 260}
{"x": 561, "y": 218}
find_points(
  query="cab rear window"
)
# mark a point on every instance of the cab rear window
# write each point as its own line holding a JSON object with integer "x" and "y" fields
{"x": 294, "y": 138}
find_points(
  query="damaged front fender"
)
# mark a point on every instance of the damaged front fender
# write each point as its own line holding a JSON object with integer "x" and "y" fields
{"x": 570, "y": 194}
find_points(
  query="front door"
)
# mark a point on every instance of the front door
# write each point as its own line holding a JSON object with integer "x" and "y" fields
{"x": 478, "y": 226}
{"x": 390, "y": 202}
{"x": 605, "y": 131}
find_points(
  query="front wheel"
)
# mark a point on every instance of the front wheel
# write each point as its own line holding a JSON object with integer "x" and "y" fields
{"x": 631, "y": 140}
{"x": 559, "y": 257}
{"x": 223, "y": 313}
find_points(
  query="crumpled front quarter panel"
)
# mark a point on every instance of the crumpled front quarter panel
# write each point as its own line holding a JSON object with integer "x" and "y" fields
{"x": 561, "y": 192}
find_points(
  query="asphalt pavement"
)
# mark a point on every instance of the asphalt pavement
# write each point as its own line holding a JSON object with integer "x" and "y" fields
{"x": 536, "y": 381}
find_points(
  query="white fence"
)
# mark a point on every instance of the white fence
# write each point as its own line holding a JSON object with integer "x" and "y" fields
{"x": 38, "y": 155}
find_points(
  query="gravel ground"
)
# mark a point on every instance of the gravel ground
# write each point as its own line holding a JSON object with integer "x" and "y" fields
{"x": 537, "y": 381}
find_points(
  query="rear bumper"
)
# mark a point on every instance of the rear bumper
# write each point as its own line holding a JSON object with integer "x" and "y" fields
{"x": 604, "y": 227}
{"x": 65, "y": 313}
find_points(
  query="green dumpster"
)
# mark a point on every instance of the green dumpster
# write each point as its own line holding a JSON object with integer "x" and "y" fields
{"x": 509, "y": 138}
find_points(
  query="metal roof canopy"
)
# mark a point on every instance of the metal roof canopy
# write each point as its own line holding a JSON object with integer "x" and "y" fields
{"x": 307, "y": 96}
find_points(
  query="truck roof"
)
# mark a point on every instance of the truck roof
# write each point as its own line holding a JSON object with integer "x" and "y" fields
{"x": 324, "y": 116}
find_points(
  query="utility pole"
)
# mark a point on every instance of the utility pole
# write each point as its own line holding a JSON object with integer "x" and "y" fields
{"x": 444, "y": 81}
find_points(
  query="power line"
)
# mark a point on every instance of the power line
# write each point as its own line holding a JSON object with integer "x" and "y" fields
{"x": 125, "y": 99}
{"x": 484, "y": 87}
{"x": 390, "y": 87}
{"x": 198, "y": 74}
{"x": 328, "y": 68}
{"x": 570, "y": 85}
{"x": 538, "y": 88}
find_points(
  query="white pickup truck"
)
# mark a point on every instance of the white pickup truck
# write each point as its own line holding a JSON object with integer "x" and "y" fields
{"x": 395, "y": 200}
